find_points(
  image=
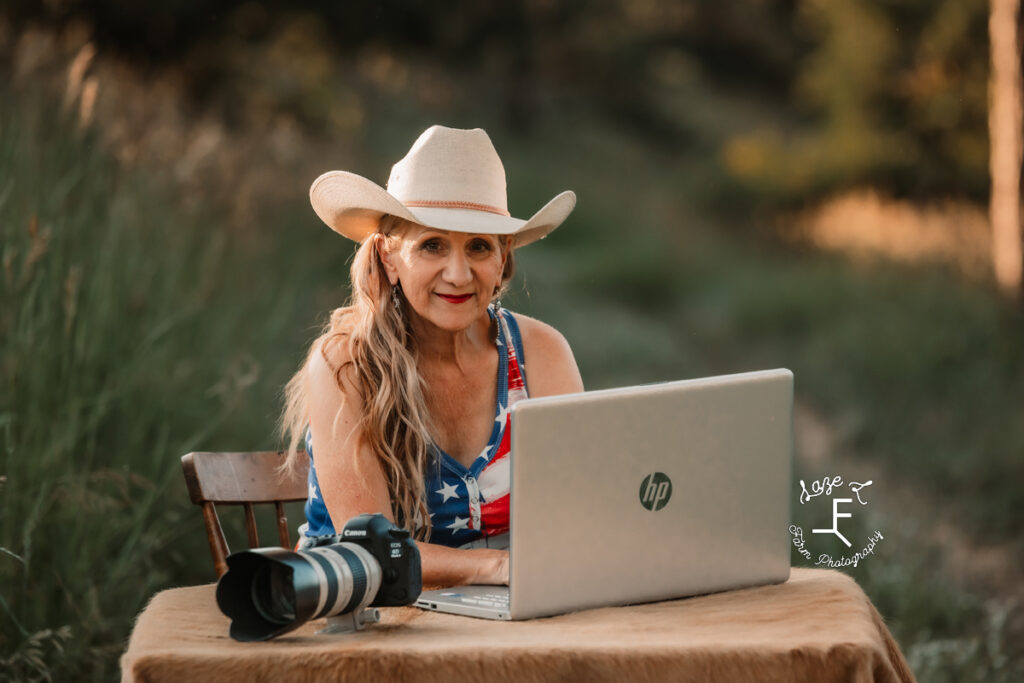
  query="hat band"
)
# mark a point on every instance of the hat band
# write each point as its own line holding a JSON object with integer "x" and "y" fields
{"x": 440, "y": 204}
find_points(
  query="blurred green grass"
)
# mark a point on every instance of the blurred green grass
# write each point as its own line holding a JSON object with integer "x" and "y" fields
{"x": 133, "y": 330}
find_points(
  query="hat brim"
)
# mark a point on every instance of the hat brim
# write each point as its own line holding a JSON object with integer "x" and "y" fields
{"x": 352, "y": 206}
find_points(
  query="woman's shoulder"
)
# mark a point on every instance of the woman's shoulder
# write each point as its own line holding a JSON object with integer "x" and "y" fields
{"x": 551, "y": 365}
{"x": 329, "y": 358}
{"x": 539, "y": 334}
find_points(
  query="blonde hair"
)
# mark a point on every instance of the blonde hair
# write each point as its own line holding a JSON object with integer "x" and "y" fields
{"x": 382, "y": 370}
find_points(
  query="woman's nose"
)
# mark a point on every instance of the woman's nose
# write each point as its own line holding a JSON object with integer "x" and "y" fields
{"x": 457, "y": 270}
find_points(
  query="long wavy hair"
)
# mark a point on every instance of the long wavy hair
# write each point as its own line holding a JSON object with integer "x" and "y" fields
{"x": 383, "y": 372}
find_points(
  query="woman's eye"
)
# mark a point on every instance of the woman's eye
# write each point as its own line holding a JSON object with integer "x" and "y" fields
{"x": 431, "y": 245}
{"x": 480, "y": 246}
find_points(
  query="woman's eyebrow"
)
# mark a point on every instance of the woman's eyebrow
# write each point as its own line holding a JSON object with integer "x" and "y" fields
{"x": 432, "y": 232}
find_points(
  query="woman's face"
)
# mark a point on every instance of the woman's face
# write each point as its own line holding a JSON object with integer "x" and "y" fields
{"x": 448, "y": 277}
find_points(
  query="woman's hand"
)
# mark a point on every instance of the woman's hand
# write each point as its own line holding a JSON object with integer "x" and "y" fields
{"x": 444, "y": 566}
{"x": 500, "y": 573}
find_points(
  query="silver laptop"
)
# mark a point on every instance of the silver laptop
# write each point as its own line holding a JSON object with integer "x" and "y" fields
{"x": 642, "y": 494}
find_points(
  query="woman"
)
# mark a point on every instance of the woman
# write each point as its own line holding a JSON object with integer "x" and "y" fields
{"x": 407, "y": 392}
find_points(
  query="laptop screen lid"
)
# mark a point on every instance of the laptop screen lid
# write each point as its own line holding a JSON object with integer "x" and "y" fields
{"x": 650, "y": 493}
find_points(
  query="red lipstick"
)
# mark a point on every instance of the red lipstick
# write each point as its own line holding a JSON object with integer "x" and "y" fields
{"x": 453, "y": 299}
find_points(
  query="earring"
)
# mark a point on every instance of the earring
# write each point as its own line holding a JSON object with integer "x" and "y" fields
{"x": 497, "y": 299}
{"x": 496, "y": 306}
{"x": 395, "y": 299}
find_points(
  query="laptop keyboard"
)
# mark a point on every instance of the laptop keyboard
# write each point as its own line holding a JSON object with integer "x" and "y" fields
{"x": 498, "y": 600}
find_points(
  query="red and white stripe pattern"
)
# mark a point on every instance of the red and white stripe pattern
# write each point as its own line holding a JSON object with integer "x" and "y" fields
{"x": 494, "y": 479}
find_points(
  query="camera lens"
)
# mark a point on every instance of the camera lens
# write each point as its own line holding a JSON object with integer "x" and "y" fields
{"x": 273, "y": 594}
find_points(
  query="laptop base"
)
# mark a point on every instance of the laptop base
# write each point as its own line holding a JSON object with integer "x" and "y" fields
{"x": 484, "y": 602}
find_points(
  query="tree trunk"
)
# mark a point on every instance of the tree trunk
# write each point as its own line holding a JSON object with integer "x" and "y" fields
{"x": 1004, "y": 124}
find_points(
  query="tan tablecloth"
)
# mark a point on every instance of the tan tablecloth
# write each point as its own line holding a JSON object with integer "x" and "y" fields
{"x": 819, "y": 626}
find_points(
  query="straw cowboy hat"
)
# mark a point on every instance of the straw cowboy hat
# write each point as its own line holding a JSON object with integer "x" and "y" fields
{"x": 450, "y": 179}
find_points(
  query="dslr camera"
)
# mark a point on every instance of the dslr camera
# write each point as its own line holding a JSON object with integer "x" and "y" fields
{"x": 372, "y": 563}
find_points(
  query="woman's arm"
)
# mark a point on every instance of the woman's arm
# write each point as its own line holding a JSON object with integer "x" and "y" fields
{"x": 352, "y": 482}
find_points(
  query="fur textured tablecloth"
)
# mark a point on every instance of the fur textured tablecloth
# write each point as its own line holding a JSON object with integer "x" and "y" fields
{"x": 819, "y": 626}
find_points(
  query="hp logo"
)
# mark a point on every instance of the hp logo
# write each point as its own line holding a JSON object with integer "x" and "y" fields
{"x": 655, "y": 490}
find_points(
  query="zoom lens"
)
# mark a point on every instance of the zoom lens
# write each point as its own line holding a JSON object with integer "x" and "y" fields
{"x": 349, "y": 577}
{"x": 270, "y": 591}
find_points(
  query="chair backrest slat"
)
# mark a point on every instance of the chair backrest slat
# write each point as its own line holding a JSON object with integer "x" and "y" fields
{"x": 244, "y": 478}
{"x": 215, "y": 536}
{"x": 250, "y": 526}
{"x": 282, "y": 525}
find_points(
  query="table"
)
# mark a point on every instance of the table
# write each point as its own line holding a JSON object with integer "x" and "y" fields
{"x": 818, "y": 626}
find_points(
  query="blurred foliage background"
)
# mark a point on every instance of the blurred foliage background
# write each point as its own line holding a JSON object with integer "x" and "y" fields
{"x": 796, "y": 183}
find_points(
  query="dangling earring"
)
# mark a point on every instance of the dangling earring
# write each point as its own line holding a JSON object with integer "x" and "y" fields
{"x": 395, "y": 299}
{"x": 496, "y": 307}
{"x": 497, "y": 300}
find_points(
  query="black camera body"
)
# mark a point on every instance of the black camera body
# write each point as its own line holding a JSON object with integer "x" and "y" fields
{"x": 399, "y": 558}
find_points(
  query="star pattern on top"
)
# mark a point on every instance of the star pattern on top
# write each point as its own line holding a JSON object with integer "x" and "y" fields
{"x": 459, "y": 524}
{"x": 503, "y": 412}
{"x": 448, "y": 491}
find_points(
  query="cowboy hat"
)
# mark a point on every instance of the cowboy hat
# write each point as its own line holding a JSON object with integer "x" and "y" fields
{"x": 451, "y": 179}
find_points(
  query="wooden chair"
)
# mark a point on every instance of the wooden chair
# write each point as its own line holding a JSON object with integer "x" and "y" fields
{"x": 245, "y": 479}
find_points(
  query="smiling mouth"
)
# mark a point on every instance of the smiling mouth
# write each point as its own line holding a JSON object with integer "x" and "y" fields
{"x": 455, "y": 299}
